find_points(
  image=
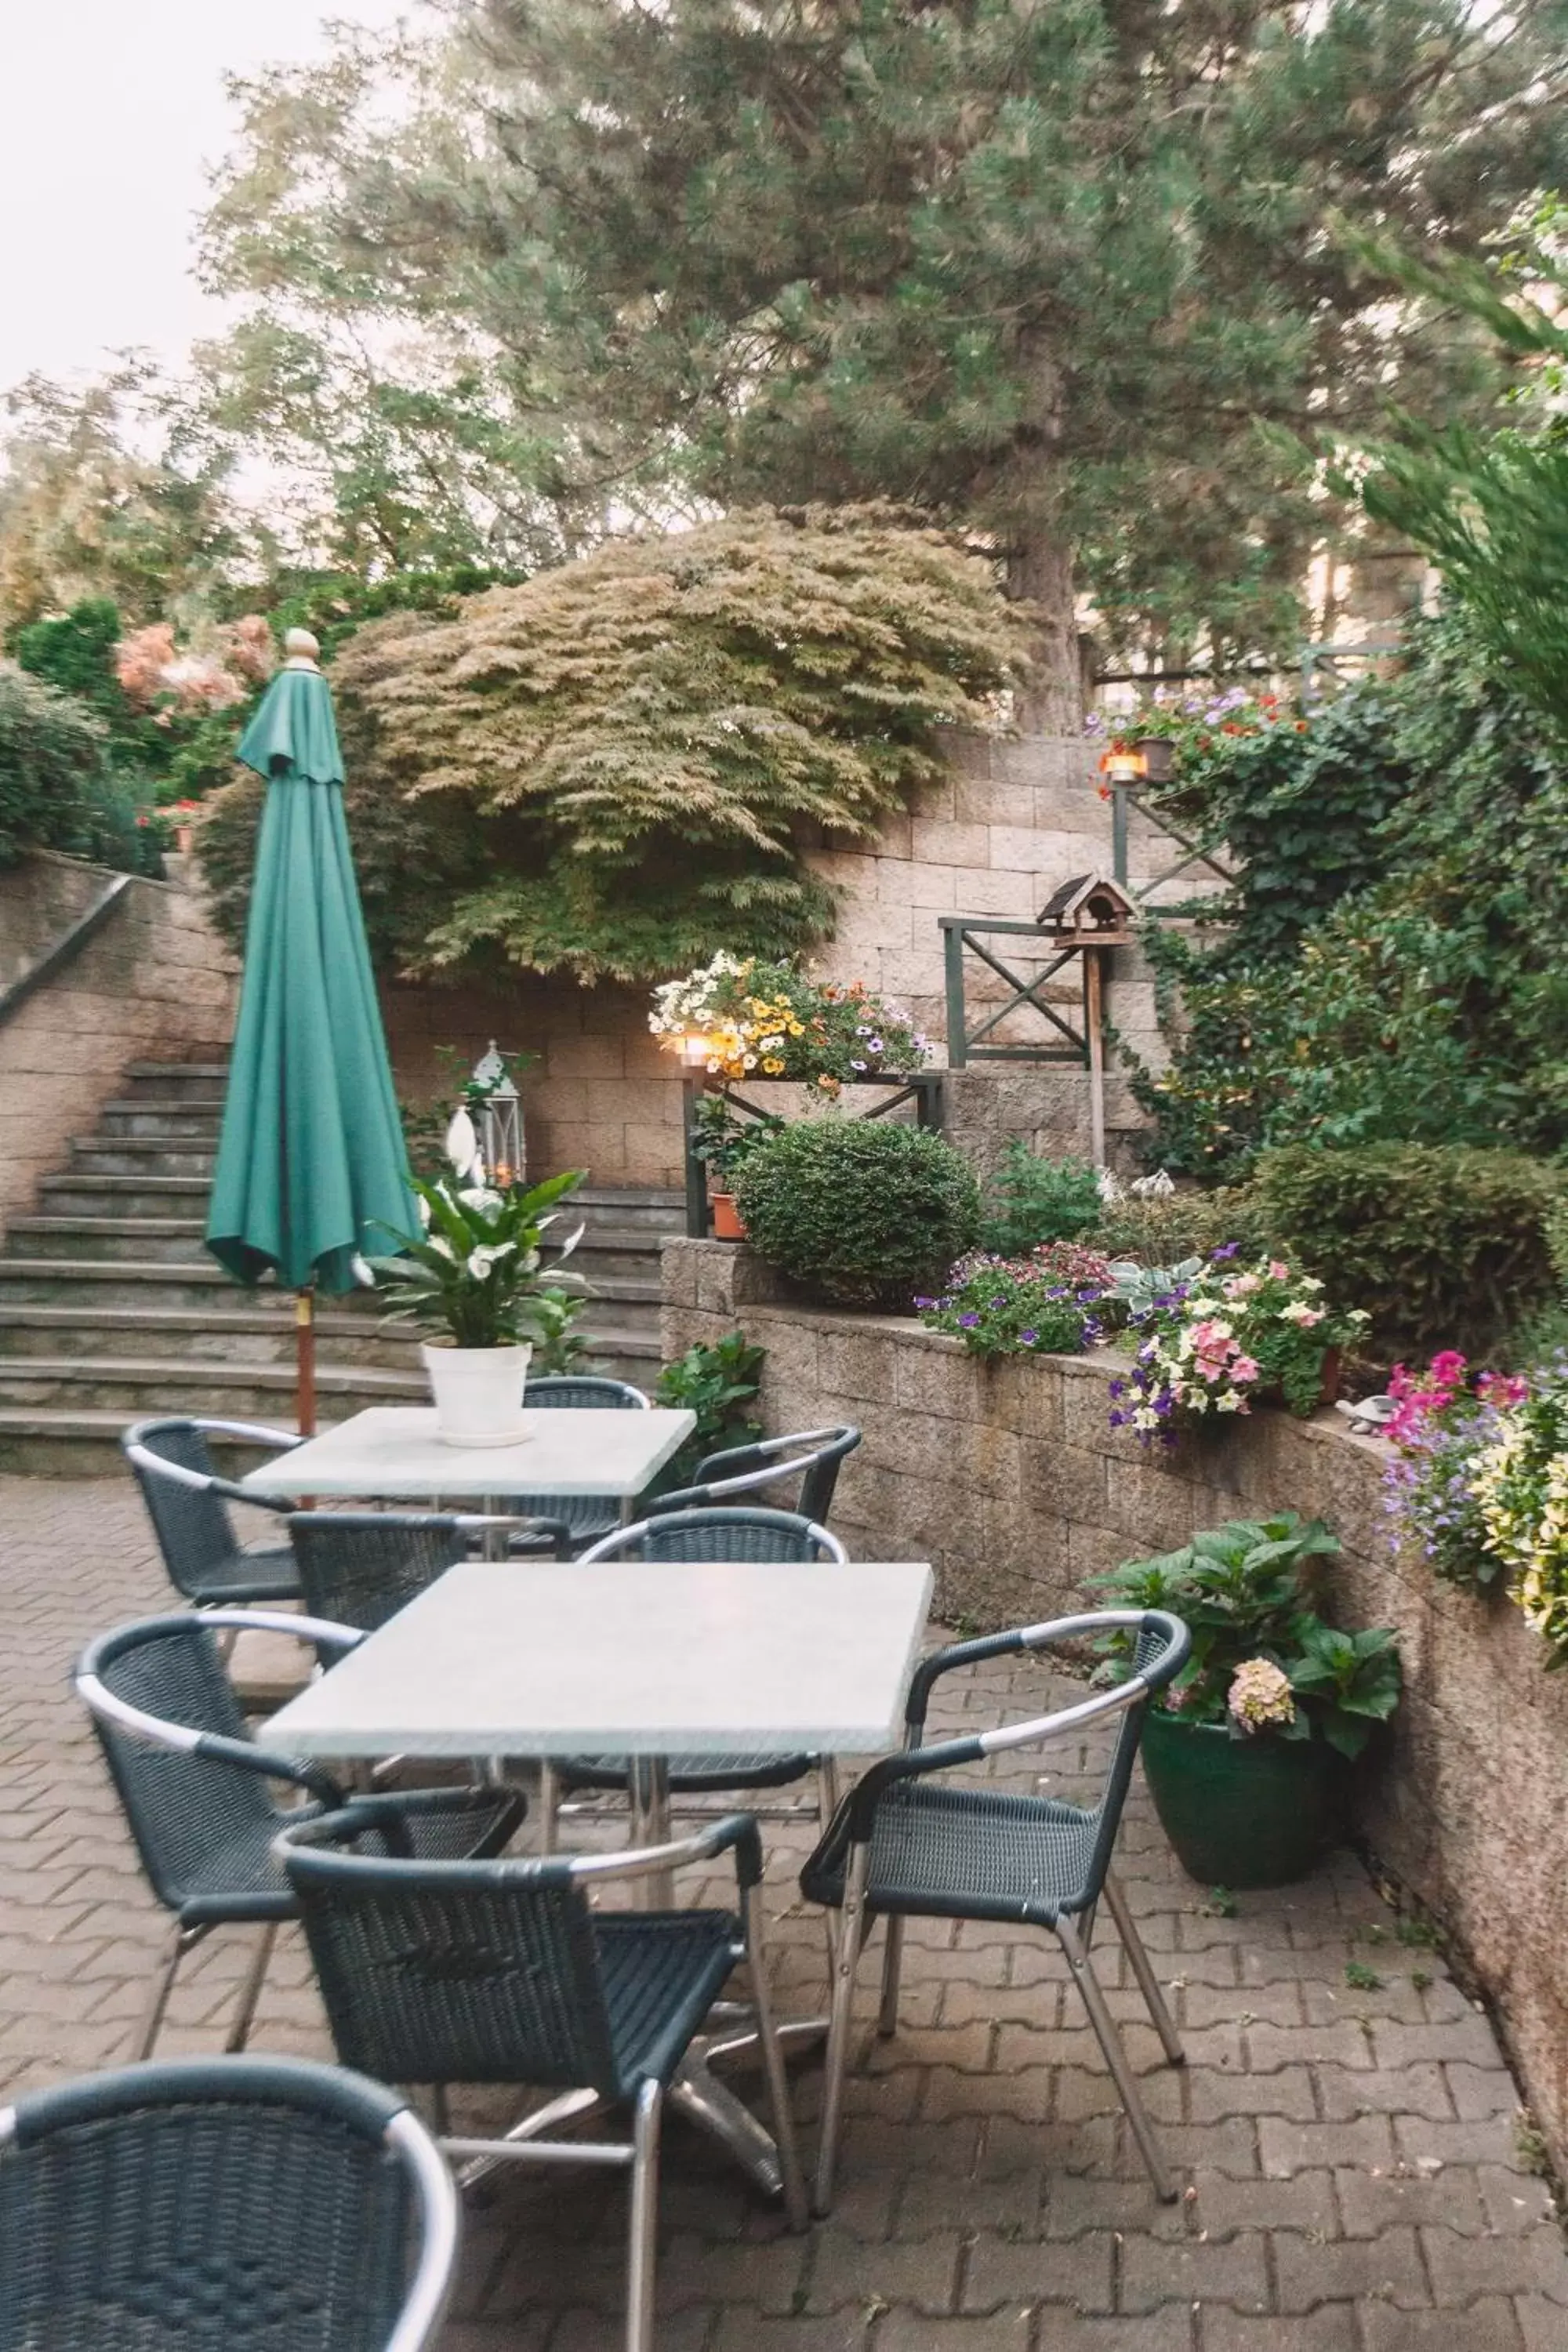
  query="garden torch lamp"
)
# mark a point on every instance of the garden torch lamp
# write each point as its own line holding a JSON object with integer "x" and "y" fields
{"x": 499, "y": 1119}
{"x": 1124, "y": 767}
{"x": 696, "y": 1049}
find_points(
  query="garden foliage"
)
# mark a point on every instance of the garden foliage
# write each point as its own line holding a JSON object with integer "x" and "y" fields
{"x": 863, "y": 1213}
{"x": 57, "y": 790}
{"x": 1426, "y": 998}
{"x": 1033, "y": 1199}
{"x": 1444, "y": 1245}
{"x": 718, "y": 1383}
{"x": 1048, "y": 1304}
{"x": 618, "y": 767}
{"x": 1263, "y": 1656}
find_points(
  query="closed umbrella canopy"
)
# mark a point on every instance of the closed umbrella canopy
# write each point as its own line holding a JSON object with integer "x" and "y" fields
{"x": 311, "y": 1162}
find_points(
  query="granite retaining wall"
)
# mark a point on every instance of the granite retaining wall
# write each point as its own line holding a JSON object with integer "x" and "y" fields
{"x": 1008, "y": 1478}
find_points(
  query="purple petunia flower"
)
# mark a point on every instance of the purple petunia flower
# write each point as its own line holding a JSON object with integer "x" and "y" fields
{"x": 1227, "y": 1249}
{"x": 968, "y": 1322}
{"x": 874, "y": 1045}
{"x": 1027, "y": 1339}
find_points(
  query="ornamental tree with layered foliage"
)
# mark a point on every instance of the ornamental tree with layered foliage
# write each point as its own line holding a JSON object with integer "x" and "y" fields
{"x": 620, "y": 765}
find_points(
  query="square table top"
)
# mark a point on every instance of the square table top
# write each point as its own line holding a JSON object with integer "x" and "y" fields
{"x": 627, "y": 1657}
{"x": 393, "y": 1452}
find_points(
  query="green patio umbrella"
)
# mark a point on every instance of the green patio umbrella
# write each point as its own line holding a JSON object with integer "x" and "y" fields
{"x": 310, "y": 1160}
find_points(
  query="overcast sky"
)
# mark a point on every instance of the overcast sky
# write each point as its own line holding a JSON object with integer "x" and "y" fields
{"x": 109, "y": 111}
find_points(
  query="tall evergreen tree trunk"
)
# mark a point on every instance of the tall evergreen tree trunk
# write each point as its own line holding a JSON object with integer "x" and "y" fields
{"x": 1040, "y": 571}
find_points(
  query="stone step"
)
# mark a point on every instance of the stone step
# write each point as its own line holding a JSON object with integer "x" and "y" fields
{"x": 180, "y": 1078}
{"x": 169, "y": 1240}
{"x": 124, "y": 1282}
{"x": 172, "y": 1121}
{"x": 123, "y": 1196}
{"x": 135, "y": 1386}
{"x": 141, "y": 1155}
{"x": 216, "y": 1335}
{"x": 84, "y": 1444}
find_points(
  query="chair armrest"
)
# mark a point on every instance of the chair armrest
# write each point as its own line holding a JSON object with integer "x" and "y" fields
{"x": 734, "y": 1833}
{"x": 1051, "y": 1635}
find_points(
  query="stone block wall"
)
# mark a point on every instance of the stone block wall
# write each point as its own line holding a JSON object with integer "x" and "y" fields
{"x": 1013, "y": 820}
{"x": 1009, "y": 1479}
{"x": 154, "y": 983}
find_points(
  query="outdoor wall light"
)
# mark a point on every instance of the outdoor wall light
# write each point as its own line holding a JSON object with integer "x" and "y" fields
{"x": 498, "y": 1118}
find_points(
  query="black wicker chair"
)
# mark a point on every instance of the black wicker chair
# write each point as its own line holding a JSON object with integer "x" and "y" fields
{"x": 193, "y": 1787}
{"x": 811, "y": 1456}
{"x": 224, "y": 2205}
{"x": 732, "y": 1534}
{"x": 360, "y": 1568}
{"x": 587, "y": 1516}
{"x": 504, "y": 1972}
{"x": 904, "y": 1845}
{"x": 188, "y": 1504}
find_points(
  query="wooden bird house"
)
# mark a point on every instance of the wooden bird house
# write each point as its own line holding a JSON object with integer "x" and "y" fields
{"x": 1088, "y": 904}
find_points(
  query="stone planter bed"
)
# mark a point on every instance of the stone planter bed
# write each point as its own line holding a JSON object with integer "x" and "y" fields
{"x": 1008, "y": 1478}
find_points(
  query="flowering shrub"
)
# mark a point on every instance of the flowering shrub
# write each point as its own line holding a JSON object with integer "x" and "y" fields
{"x": 1020, "y": 1306}
{"x": 770, "y": 1021}
{"x": 1193, "y": 721}
{"x": 1210, "y": 1344}
{"x": 214, "y": 675}
{"x": 1264, "y": 1659}
{"x": 472, "y": 1274}
{"x": 1481, "y": 1483}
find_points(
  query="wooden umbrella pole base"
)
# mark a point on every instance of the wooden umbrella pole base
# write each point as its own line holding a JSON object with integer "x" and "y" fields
{"x": 305, "y": 1362}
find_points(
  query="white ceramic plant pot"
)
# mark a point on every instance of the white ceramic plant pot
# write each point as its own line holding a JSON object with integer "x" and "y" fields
{"x": 478, "y": 1393}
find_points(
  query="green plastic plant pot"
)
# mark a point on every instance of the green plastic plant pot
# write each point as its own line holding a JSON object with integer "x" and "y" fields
{"x": 1243, "y": 1812}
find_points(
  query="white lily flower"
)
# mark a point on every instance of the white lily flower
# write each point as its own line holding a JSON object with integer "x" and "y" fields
{"x": 362, "y": 1271}
{"x": 479, "y": 1196}
{"x": 568, "y": 1246}
{"x": 481, "y": 1261}
{"x": 462, "y": 1144}
{"x": 424, "y": 1211}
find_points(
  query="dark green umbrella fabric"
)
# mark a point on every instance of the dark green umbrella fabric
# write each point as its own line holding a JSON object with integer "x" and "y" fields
{"x": 311, "y": 1162}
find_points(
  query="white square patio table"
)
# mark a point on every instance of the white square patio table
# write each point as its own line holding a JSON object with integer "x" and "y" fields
{"x": 393, "y": 1453}
{"x": 644, "y": 1659}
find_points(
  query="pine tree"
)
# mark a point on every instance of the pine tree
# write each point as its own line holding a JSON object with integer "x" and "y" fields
{"x": 1061, "y": 269}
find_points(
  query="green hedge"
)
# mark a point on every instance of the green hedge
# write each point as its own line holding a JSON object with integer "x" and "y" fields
{"x": 859, "y": 1211}
{"x": 1446, "y": 1245}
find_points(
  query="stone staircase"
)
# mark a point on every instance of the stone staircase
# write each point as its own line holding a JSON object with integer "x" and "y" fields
{"x": 112, "y": 1309}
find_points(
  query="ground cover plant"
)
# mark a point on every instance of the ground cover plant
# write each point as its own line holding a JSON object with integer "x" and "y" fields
{"x": 1033, "y": 1199}
{"x": 719, "y": 1383}
{"x": 1051, "y": 1302}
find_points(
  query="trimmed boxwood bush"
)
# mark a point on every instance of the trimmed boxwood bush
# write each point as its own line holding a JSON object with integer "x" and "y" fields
{"x": 859, "y": 1211}
{"x": 1447, "y": 1245}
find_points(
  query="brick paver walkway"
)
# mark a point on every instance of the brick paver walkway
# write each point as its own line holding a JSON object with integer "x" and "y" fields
{"x": 1348, "y": 2152}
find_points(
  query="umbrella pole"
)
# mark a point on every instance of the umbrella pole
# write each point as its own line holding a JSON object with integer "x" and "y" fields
{"x": 305, "y": 1361}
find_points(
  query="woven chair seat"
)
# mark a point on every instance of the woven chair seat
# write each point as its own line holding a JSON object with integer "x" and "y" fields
{"x": 945, "y": 1851}
{"x": 688, "y": 1775}
{"x": 662, "y": 1972}
{"x": 590, "y": 1517}
{"x": 270, "y": 1573}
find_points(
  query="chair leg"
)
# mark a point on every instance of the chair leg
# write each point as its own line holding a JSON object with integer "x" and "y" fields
{"x": 1121, "y": 2074}
{"x": 851, "y": 1937}
{"x": 892, "y": 1961}
{"x": 549, "y": 1807}
{"x": 643, "y": 2248}
{"x": 772, "y": 2063}
{"x": 1148, "y": 1984}
{"x": 250, "y": 1991}
{"x": 176, "y": 1944}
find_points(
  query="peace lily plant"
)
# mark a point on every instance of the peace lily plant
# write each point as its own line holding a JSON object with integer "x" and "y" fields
{"x": 474, "y": 1277}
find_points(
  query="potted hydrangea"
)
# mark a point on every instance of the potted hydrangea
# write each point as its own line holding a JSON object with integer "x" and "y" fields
{"x": 473, "y": 1279}
{"x": 1248, "y": 1754}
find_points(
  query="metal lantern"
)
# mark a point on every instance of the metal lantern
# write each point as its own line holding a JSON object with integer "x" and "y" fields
{"x": 498, "y": 1115}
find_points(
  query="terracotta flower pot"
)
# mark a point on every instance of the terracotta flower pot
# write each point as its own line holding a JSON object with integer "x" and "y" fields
{"x": 728, "y": 1226}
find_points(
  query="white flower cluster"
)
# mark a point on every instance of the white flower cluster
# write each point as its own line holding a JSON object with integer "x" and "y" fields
{"x": 688, "y": 1004}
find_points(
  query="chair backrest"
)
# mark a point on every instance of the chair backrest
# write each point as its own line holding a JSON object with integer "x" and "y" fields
{"x": 182, "y": 1807}
{"x": 451, "y": 1972}
{"x": 811, "y": 1455}
{"x": 255, "y": 2204}
{"x": 361, "y": 1568}
{"x": 192, "y": 1523}
{"x": 583, "y": 1392}
{"x": 1155, "y": 1656}
{"x": 724, "y": 1533}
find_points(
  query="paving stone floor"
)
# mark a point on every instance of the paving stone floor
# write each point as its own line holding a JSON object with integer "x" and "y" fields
{"x": 1348, "y": 2159}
